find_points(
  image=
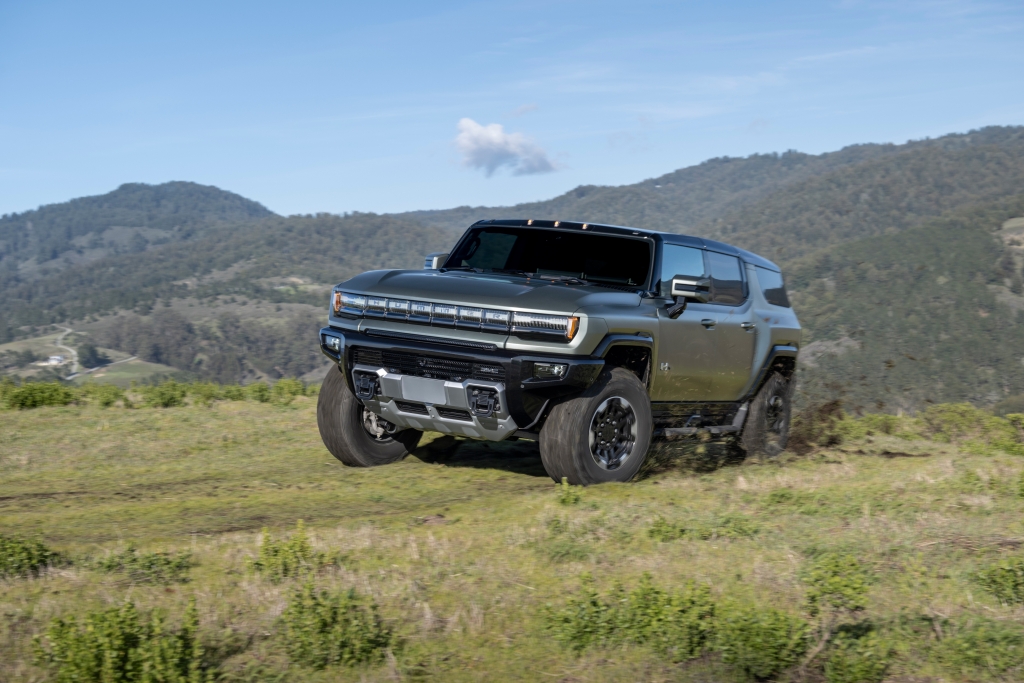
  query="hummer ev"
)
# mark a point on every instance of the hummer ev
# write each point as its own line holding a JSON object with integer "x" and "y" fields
{"x": 591, "y": 339}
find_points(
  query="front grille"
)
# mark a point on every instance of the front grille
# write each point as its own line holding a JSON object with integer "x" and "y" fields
{"x": 406, "y": 407}
{"x": 453, "y": 414}
{"x": 424, "y": 365}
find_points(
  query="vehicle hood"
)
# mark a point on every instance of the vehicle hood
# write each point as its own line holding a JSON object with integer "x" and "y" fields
{"x": 487, "y": 290}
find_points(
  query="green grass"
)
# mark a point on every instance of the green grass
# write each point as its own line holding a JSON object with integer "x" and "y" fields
{"x": 466, "y": 551}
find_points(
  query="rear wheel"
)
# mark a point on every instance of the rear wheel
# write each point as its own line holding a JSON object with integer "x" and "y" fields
{"x": 766, "y": 430}
{"x": 602, "y": 434}
{"x": 355, "y": 435}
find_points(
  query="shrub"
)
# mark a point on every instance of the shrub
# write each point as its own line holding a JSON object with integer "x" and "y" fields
{"x": 279, "y": 560}
{"x": 981, "y": 646}
{"x": 858, "y": 660}
{"x": 19, "y": 557}
{"x": 761, "y": 642}
{"x": 164, "y": 395}
{"x": 148, "y": 567}
{"x": 259, "y": 392}
{"x": 836, "y": 582}
{"x": 676, "y": 624}
{"x": 233, "y": 392}
{"x": 115, "y": 645}
{"x": 285, "y": 391}
{"x": 569, "y": 494}
{"x": 39, "y": 394}
{"x": 975, "y": 430}
{"x": 204, "y": 393}
{"x": 323, "y": 628}
{"x": 105, "y": 395}
{"x": 1005, "y": 581}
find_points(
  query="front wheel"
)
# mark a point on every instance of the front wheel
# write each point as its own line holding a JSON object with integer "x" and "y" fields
{"x": 353, "y": 434}
{"x": 601, "y": 435}
{"x": 766, "y": 430}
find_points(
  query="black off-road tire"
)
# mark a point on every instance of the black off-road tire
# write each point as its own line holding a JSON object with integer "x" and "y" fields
{"x": 766, "y": 431}
{"x": 575, "y": 445}
{"x": 340, "y": 418}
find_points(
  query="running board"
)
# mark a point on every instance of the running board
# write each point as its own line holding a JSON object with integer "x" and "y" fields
{"x": 716, "y": 430}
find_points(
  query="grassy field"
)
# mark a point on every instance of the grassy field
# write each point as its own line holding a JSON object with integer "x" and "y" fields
{"x": 468, "y": 548}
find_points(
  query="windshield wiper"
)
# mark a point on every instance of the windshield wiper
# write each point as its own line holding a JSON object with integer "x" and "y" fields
{"x": 568, "y": 279}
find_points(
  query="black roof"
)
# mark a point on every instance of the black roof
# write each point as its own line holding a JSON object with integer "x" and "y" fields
{"x": 666, "y": 237}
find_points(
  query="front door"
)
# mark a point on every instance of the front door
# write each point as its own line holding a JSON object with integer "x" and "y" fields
{"x": 685, "y": 356}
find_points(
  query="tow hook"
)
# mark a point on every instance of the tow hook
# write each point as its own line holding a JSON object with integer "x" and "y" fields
{"x": 483, "y": 402}
{"x": 366, "y": 386}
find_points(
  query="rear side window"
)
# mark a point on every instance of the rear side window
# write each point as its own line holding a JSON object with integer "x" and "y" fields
{"x": 772, "y": 287}
{"x": 676, "y": 260}
{"x": 726, "y": 279}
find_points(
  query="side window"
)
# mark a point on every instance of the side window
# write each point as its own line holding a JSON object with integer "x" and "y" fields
{"x": 772, "y": 286}
{"x": 726, "y": 279}
{"x": 676, "y": 260}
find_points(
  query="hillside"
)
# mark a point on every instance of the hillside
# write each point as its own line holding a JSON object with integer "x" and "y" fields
{"x": 243, "y": 290}
{"x": 931, "y": 314}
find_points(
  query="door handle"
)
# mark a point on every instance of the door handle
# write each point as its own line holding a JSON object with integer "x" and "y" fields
{"x": 708, "y": 323}
{"x": 747, "y": 326}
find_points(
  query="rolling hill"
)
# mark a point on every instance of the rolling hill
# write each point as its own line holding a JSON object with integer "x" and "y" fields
{"x": 897, "y": 256}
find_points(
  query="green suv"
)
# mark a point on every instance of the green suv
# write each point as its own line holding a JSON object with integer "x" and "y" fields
{"x": 590, "y": 339}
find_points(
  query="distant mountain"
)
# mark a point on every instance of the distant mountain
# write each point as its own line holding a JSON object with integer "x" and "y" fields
{"x": 131, "y": 219}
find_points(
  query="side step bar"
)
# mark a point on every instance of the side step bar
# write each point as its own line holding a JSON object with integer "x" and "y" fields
{"x": 715, "y": 430}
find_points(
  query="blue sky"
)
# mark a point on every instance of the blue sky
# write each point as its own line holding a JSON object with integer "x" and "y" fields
{"x": 393, "y": 106}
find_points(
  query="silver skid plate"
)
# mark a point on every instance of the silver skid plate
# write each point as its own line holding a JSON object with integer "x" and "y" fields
{"x": 404, "y": 399}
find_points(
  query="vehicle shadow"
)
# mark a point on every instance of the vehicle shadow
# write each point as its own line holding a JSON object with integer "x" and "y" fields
{"x": 518, "y": 457}
{"x": 523, "y": 457}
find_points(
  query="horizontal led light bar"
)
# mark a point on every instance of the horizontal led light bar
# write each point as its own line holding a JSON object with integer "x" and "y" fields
{"x": 553, "y": 327}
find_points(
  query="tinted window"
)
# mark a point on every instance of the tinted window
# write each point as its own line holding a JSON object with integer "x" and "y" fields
{"x": 598, "y": 258}
{"x": 677, "y": 260}
{"x": 772, "y": 287}
{"x": 726, "y": 279}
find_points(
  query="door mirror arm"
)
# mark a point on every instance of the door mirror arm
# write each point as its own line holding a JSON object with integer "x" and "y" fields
{"x": 684, "y": 289}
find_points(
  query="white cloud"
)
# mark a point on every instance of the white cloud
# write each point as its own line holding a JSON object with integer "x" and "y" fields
{"x": 489, "y": 148}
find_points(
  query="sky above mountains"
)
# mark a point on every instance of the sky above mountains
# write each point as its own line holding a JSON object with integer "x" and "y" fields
{"x": 393, "y": 106}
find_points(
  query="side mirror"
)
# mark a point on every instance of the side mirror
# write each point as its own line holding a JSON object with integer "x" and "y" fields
{"x": 435, "y": 260}
{"x": 685, "y": 288}
{"x": 698, "y": 289}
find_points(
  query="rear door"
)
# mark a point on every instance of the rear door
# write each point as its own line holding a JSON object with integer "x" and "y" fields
{"x": 735, "y": 334}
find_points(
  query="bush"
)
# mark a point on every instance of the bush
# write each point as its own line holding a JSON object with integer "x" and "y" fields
{"x": 164, "y": 395}
{"x": 323, "y": 628}
{"x": 39, "y": 394}
{"x": 104, "y": 395}
{"x": 858, "y": 660}
{"x": 259, "y": 392}
{"x": 279, "y": 560}
{"x": 973, "y": 429}
{"x": 727, "y": 526}
{"x": 1005, "y": 581}
{"x": 981, "y": 646}
{"x": 115, "y": 645}
{"x": 836, "y": 582}
{"x": 204, "y": 393}
{"x": 19, "y": 557}
{"x": 761, "y": 642}
{"x": 569, "y": 494}
{"x": 679, "y": 625}
{"x": 233, "y": 392}
{"x": 285, "y": 391}
{"x": 148, "y": 567}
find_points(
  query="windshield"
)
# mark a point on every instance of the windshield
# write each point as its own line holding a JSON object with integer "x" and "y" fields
{"x": 596, "y": 258}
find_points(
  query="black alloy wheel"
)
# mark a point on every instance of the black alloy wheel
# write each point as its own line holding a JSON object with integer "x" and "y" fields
{"x": 613, "y": 433}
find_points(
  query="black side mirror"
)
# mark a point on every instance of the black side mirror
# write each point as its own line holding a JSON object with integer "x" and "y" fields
{"x": 686, "y": 288}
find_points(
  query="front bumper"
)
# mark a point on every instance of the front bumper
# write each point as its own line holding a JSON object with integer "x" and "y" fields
{"x": 419, "y": 382}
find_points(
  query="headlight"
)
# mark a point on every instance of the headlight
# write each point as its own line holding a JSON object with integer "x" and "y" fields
{"x": 555, "y": 325}
{"x": 353, "y": 304}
